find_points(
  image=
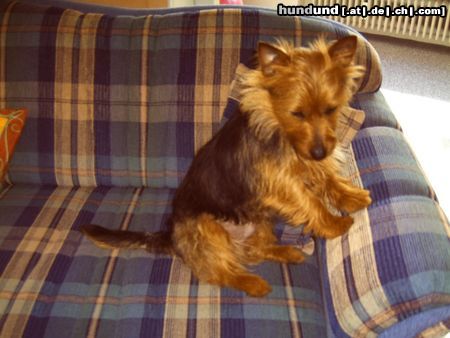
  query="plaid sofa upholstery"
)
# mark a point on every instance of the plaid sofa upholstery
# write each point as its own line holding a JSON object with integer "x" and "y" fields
{"x": 118, "y": 105}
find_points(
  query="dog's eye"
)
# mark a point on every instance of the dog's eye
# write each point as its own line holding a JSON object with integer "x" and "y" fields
{"x": 330, "y": 111}
{"x": 299, "y": 114}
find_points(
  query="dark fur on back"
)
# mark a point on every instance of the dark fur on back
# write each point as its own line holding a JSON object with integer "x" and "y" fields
{"x": 222, "y": 179}
{"x": 274, "y": 157}
{"x": 156, "y": 242}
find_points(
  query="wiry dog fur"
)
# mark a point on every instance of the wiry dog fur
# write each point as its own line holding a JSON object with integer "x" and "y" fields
{"x": 272, "y": 158}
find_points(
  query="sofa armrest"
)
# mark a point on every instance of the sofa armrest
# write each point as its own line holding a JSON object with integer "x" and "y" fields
{"x": 393, "y": 265}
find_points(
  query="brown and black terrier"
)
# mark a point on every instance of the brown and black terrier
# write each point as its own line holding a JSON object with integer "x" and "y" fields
{"x": 274, "y": 157}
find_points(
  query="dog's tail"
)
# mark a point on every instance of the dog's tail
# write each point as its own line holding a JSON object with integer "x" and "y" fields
{"x": 156, "y": 242}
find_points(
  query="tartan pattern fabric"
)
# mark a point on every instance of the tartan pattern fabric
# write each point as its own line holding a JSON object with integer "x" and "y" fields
{"x": 438, "y": 330}
{"x": 117, "y": 108}
{"x": 378, "y": 113}
{"x": 395, "y": 259}
{"x": 54, "y": 281}
{"x": 431, "y": 323}
{"x": 153, "y": 88}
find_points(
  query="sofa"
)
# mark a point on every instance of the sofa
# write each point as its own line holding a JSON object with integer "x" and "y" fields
{"x": 118, "y": 103}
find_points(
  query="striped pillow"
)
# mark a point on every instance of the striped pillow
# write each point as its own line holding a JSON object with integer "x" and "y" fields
{"x": 12, "y": 122}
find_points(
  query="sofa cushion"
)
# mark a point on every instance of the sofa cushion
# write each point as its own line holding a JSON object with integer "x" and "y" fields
{"x": 378, "y": 113}
{"x": 126, "y": 101}
{"x": 394, "y": 263}
{"x": 387, "y": 165}
{"x": 53, "y": 281}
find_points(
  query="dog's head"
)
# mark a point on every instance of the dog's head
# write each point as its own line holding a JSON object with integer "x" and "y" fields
{"x": 307, "y": 88}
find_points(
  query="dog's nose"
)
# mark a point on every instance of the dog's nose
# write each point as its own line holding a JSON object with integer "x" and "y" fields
{"x": 318, "y": 152}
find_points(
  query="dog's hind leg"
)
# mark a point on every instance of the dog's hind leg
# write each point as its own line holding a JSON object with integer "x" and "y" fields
{"x": 207, "y": 248}
{"x": 262, "y": 246}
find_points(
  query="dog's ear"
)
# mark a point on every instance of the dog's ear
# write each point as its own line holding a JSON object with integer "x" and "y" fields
{"x": 268, "y": 56}
{"x": 343, "y": 50}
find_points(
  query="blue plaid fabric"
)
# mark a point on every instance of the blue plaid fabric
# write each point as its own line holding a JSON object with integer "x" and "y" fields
{"x": 118, "y": 106}
{"x": 55, "y": 281}
{"x": 395, "y": 260}
{"x": 137, "y": 95}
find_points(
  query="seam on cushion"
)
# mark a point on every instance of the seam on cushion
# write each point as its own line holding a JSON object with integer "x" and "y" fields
{"x": 391, "y": 313}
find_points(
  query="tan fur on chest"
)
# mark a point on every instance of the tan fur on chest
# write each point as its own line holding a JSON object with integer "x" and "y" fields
{"x": 274, "y": 157}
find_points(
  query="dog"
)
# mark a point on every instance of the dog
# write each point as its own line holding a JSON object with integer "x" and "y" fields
{"x": 273, "y": 157}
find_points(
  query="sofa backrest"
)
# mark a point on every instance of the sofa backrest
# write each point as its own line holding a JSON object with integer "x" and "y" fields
{"x": 126, "y": 101}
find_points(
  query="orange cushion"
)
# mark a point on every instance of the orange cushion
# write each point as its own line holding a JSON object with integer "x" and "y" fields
{"x": 11, "y": 125}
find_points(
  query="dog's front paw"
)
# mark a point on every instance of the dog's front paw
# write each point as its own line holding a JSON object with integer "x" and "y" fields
{"x": 341, "y": 225}
{"x": 334, "y": 227}
{"x": 285, "y": 254}
{"x": 355, "y": 200}
{"x": 254, "y": 286}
